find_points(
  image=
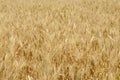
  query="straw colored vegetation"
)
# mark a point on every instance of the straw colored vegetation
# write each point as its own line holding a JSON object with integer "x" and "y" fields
{"x": 59, "y": 39}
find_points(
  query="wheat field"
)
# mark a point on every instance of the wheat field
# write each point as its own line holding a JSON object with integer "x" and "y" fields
{"x": 59, "y": 39}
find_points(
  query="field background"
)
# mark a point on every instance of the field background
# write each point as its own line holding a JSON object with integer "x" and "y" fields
{"x": 59, "y": 39}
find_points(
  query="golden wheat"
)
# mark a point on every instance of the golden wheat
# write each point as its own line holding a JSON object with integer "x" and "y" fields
{"x": 59, "y": 40}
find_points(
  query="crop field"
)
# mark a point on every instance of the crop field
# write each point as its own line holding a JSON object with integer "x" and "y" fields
{"x": 59, "y": 39}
